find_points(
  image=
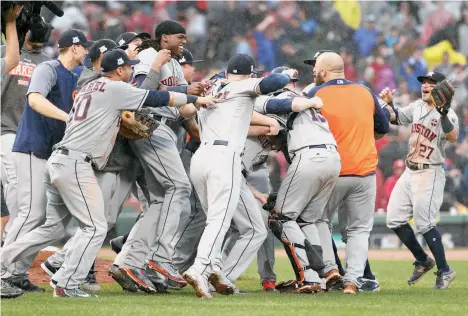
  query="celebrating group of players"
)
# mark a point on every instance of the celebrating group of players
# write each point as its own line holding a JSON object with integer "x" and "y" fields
{"x": 202, "y": 220}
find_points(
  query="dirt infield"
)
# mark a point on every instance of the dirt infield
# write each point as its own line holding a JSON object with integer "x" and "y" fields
{"x": 37, "y": 276}
{"x": 397, "y": 254}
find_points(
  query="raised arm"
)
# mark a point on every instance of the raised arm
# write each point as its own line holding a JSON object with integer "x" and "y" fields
{"x": 12, "y": 55}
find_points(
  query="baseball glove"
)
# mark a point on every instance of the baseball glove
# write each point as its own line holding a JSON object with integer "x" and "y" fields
{"x": 442, "y": 95}
{"x": 271, "y": 202}
{"x": 136, "y": 125}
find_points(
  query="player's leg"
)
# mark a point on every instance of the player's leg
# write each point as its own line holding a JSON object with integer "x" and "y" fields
{"x": 399, "y": 212}
{"x": 252, "y": 233}
{"x": 4, "y": 215}
{"x": 259, "y": 179}
{"x": 427, "y": 188}
{"x": 32, "y": 203}
{"x": 324, "y": 227}
{"x": 295, "y": 193}
{"x": 188, "y": 236}
{"x": 77, "y": 185}
{"x": 8, "y": 176}
{"x": 359, "y": 205}
{"x": 216, "y": 175}
{"x": 57, "y": 219}
{"x": 161, "y": 157}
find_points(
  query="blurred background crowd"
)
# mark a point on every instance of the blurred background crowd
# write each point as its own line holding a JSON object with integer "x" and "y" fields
{"x": 383, "y": 44}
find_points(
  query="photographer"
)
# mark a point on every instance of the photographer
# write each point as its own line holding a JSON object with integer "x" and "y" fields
{"x": 14, "y": 89}
{"x": 12, "y": 50}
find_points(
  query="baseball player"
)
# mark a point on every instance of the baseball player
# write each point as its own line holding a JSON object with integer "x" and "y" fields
{"x": 418, "y": 193}
{"x": 356, "y": 185}
{"x": 108, "y": 178}
{"x": 132, "y": 40}
{"x": 49, "y": 99}
{"x": 16, "y": 72}
{"x": 300, "y": 202}
{"x": 216, "y": 166}
{"x": 368, "y": 281}
{"x": 164, "y": 171}
{"x": 72, "y": 187}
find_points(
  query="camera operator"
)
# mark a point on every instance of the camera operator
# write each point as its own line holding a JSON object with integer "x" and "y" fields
{"x": 11, "y": 58}
{"x": 42, "y": 125}
{"x": 14, "y": 88}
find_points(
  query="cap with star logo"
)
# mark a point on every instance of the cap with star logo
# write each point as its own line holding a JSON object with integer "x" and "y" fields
{"x": 241, "y": 64}
{"x": 128, "y": 37}
{"x": 73, "y": 37}
{"x": 116, "y": 58}
{"x": 101, "y": 46}
{"x": 433, "y": 76}
{"x": 187, "y": 58}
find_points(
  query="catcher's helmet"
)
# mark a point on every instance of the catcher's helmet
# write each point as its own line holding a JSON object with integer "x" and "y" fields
{"x": 283, "y": 69}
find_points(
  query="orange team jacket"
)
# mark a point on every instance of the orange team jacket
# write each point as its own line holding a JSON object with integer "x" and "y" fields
{"x": 353, "y": 114}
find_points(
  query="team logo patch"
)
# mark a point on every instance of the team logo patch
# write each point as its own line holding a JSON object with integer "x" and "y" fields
{"x": 120, "y": 61}
{"x": 76, "y": 39}
{"x": 182, "y": 60}
{"x": 434, "y": 122}
{"x": 102, "y": 49}
{"x": 121, "y": 42}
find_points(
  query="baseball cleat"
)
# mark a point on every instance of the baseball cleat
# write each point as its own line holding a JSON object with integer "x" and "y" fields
{"x": 168, "y": 270}
{"x": 160, "y": 282}
{"x": 368, "y": 285}
{"x": 90, "y": 283}
{"x": 309, "y": 287}
{"x": 350, "y": 288}
{"x": 26, "y": 286}
{"x": 287, "y": 286}
{"x": 221, "y": 283}
{"x": 117, "y": 244}
{"x": 77, "y": 292}
{"x": 198, "y": 282}
{"x": 122, "y": 279}
{"x": 420, "y": 269}
{"x": 332, "y": 277}
{"x": 139, "y": 277}
{"x": 444, "y": 279}
{"x": 48, "y": 268}
{"x": 8, "y": 290}
{"x": 269, "y": 286}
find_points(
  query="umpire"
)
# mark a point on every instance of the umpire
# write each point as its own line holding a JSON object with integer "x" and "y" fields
{"x": 49, "y": 100}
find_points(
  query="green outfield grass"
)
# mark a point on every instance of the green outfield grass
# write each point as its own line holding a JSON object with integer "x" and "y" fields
{"x": 395, "y": 298}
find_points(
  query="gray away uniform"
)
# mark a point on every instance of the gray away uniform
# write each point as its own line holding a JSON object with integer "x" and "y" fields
{"x": 308, "y": 183}
{"x": 165, "y": 174}
{"x": 419, "y": 194}
{"x": 216, "y": 168}
{"x": 14, "y": 89}
{"x": 72, "y": 188}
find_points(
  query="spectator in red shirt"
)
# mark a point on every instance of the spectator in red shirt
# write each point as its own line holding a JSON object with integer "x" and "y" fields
{"x": 398, "y": 168}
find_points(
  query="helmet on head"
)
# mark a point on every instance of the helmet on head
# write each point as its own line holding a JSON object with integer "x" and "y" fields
{"x": 284, "y": 70}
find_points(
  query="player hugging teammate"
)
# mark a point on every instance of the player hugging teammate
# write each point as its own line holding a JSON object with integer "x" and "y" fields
{"x": 202, "y": 222}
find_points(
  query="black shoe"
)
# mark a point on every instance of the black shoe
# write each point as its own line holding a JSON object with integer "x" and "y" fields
{"x": 9, "y": 291}
{"x": 48, "y": 268}
{"x": 117, "y": 244}
{"x": 26, "y": 286}
{"x": 420, "y": 269}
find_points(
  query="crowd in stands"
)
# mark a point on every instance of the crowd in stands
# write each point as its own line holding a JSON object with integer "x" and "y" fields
{"x": 383, "y": 44}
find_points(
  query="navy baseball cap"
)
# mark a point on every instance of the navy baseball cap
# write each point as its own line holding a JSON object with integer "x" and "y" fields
{"x": 126, "y": 38}
{"x": 317, "y": 54}
{"x": 116, "y": 58}
{"x": 101, "y": 46}
{"x": 73, "y": 37}
{"x": 432, "y": 75}
{"x": 241, "y": 64}
{"x": 187, "y": 58}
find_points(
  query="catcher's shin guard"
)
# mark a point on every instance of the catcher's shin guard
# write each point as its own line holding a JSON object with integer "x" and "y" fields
{"x": 315, "y": 256}
{"x": 276, "y": 225}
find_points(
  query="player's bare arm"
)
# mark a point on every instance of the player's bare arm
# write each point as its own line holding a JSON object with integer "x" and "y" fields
{"x": 191, "y": 126}
{"x": 258, "y": 130}
{"x": 262, "y": 198}
{"x": 387, "y": 96}
{"x": 260, "y": 119}
{"x": 43, "y": 106}
{"x": 12, "y": 56}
